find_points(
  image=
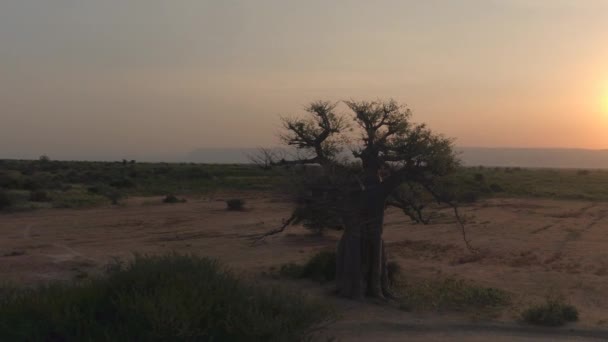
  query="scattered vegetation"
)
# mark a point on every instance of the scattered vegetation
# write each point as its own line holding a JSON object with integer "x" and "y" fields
{"x": 448, "y": 294}
{"x": 235, "y": 204}
{"x": 451, "y": 294}
{"x": 158, "y": 298}
{"x": 321, "y": 267}
{"x": 554, "y": 312}
{"x": 76, "y": 184}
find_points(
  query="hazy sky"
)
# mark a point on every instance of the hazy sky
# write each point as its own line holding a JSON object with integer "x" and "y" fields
{"x": 113, "y": 78}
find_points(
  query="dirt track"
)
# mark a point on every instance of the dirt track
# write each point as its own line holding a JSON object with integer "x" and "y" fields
{"x": 530, "y": 248}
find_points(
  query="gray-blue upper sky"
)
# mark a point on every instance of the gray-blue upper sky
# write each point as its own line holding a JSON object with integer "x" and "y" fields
{"x": 119, "y": 78}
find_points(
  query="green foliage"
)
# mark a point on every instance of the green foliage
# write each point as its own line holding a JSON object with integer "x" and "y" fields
{"x": 235, "y": 204}
{"x": 77, "y": 199}
{"x": 539, "y": 183}
{"x": 116, "y": 180}
{"x": 158, "y": 298}
{"x": 321, "y": 267}
{"x": 554, "y": 312}
{"x": 450, "y": 295}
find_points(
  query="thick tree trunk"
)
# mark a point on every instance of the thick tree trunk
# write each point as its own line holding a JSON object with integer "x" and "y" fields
{"x": 361, "y": 258}
{"x": 361, "y": 267}
{"x": 349, "y": 271}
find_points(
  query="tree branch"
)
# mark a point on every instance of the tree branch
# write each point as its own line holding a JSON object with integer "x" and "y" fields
{"x": 278, "y": 230}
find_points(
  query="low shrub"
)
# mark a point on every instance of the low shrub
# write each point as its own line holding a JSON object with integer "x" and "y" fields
{"x": 173, "y": 199}
{"x": 321, "y": 267}
{"x": 451, "y": 294}
{"x": 496, "y": 188}
{"x": 39, "y": 196}
{"x": 291, "y": 270}
{"x": 235, "y": 204}
{"x": 554, "y": 312}
{"x": 158, "y": 298}
{"x": 114, "y": 196}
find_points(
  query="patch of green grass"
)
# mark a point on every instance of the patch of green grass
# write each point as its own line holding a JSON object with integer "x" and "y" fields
{"x": 77, "y": 199}
{"x": 115, "y": 180}
{"x": 554, "y": 312}
{"x": 540, "y": 183}
{"x": 451, "y": 295}
{"x": 158, "y": 298}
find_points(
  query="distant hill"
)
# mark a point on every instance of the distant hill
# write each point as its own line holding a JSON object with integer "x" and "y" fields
{"x": 471, "y": 156}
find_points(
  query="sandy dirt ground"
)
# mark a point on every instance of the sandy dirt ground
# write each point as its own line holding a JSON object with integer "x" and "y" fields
{"x": 529, "y": 247}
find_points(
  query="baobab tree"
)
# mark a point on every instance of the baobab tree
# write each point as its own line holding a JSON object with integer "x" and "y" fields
{"x": 394, "y": 162}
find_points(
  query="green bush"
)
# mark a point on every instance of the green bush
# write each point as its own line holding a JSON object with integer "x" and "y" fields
{"x": 321, "y": 267}
{"x": 554, "y": 312}
{"x": 158, "y": 298}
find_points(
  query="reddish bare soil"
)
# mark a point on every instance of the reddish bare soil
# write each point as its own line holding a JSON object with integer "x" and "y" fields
{"x": 530, "y": 248}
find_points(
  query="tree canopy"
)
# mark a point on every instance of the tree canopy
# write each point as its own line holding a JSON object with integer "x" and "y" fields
{"x": 371, "y": 158}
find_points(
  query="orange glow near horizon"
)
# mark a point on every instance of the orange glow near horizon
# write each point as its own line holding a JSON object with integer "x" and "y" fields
{"x": 604, "y": 100}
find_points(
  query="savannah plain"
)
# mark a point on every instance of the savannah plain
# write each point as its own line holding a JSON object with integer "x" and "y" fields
{"x": 537, "y": 233}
